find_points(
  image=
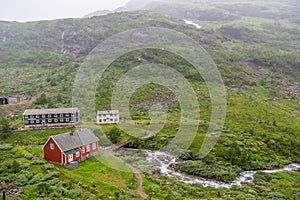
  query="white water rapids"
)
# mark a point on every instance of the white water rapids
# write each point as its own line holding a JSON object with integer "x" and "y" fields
{"x": 192, "y": 23}
{"x": 163, "y": 161}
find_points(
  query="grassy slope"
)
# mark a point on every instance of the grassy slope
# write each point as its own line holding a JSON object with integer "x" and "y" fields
{"x": 274, "y": 143}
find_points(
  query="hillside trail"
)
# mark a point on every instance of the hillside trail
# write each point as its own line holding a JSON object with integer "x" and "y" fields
{"x": 135, "y": 171}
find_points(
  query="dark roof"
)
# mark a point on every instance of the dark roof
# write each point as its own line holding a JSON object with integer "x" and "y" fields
{"x": 50, "y": 111}
{"x": 73, "y": 140}
{"x": 72, "y": 151}
{"x": 87, "y": 136}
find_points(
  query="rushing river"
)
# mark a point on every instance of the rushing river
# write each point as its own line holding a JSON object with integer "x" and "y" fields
{"x": 162, "y": 161}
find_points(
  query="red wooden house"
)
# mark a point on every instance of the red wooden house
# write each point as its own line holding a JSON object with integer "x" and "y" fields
{"x": 74, "y": 146}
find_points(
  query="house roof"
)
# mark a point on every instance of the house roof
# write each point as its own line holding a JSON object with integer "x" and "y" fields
{"x": 87, "y": 136}
{"x": 50, "y": 111}
{"x": 108, "y": 112}
{"x": 73, "y": 140}
{"x": 72, "y": 151}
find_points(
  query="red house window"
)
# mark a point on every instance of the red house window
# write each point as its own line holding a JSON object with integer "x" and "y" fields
{"x": 52, "y": 146}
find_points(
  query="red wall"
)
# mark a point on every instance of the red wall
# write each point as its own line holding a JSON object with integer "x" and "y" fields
{"x": 56, "y": 155}
{"x": 52, "y": 155}
{"x": 91, "y": 149}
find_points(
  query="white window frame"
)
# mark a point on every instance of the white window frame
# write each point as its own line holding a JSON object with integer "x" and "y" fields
{"x": 88, "y": 148}
{"x": 83, "y": 149}
{"x": 51, "y": 146}
{"x": 50, "y": 120}
{"x": 43, "y": 116}
{"x": 37, "y": 121}
{"x": 77, "y": 154}
{"x": 70, "y": 157}
{"x": 55, "y": 120}
{"x": 67, "y": 119}
{"x": 94, "y": 146}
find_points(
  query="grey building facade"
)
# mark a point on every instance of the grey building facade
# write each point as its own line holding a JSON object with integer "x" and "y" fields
{"x": 51, "y": 117}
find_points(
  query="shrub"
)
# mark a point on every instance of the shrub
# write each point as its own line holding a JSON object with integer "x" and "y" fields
{"x": 245, "y": 197}
{"x": 51, "y": 175}
{"x": 216, "y": 170}
{"x": 36, "y": 179}
{"x": 48, "y": 166}
{"x": 43, "y": 187}
{"x": 276, "y": 195}
{"x": 5, "y": 147}
{"x": 16, "y": 167}
{"x": 28, "y": 156}
{"x": 37, "y": 161}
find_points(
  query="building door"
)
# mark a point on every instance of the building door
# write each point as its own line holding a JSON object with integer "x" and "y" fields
{"x": 70, "y": 157}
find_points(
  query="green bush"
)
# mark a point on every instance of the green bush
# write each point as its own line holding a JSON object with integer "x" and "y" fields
{"x": 48, "y": 166}
{"x": 28, "y": 156}
{"x": 5, "y": 147}
{"x": 218, "y": 170}
{"x": 36, "y": 179}
{"x": 36, "y": 161}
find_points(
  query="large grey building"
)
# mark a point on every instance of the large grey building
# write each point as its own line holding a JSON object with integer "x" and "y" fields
{"x": 51, "y": 117}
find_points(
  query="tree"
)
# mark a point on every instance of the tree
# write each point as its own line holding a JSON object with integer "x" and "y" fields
{"x": 114, "y": 135}
{"x": 16, "y": 167}
{"x": 42, "y": 100}
{"x": 4, "y": 126}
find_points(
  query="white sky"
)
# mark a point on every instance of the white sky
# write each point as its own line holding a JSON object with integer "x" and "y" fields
{"x": 31, "y": 10}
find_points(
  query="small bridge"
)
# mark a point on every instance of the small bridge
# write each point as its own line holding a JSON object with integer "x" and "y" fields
{"x": 115, "y": 147}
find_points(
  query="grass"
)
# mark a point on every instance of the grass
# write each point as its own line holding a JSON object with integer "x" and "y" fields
{"x": 94, "y": 172}
{"x": 32, "y": 137}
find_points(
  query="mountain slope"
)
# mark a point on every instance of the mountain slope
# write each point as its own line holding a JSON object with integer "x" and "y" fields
{"x": 257, "y": 55}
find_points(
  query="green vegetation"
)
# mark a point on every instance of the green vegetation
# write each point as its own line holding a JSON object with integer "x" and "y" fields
{"x": 217, "y": 170}
{"x": 255, "y": 45}
{"x": 22, "y": 165}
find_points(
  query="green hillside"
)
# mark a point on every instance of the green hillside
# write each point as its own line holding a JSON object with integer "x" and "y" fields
{"x": 256, "y": 47}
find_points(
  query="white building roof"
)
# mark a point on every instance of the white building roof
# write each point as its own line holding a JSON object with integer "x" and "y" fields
{"x": 50, "y": 111}
{"x": 107, "y": 112}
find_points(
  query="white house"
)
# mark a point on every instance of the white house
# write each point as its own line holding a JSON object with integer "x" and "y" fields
{"x": 108, "y": 117}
